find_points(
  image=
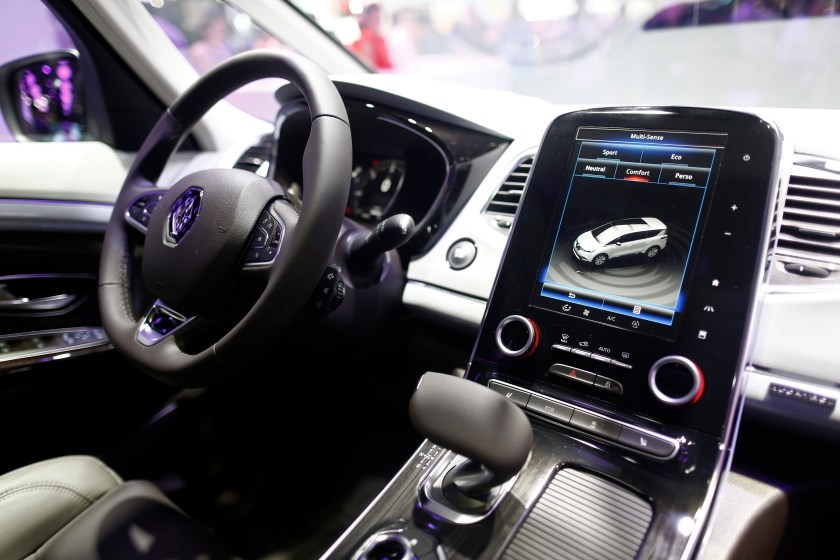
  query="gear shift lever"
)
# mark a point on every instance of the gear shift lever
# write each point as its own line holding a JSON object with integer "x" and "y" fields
{"x": 490, "y": 431}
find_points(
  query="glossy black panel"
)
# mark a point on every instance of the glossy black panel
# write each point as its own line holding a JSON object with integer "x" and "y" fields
{"x": 713, "y": 286}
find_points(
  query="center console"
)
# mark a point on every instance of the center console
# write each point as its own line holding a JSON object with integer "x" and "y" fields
{"x": 619, "y": 323}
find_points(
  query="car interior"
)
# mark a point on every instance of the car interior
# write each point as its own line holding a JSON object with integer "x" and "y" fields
{"x": 383, "y": 323}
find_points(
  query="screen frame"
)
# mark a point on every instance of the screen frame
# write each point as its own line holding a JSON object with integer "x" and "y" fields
{"x": 643, "y": 317}
{"x": 716, "y": 342}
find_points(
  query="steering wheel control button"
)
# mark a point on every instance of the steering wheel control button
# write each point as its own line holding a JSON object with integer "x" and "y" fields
{"x": 265, "y": 241}
{"x": 647, "y": 442}
{"x": 550, "y": 409}
{"x": 595, "y": 424}
{"x": 609, "y": 385}
{"x": 140, "y": 213}
{"x": 519, "y": 397}
{"x": 259, "y": 239}
{"x": 268, "y": 223}
{"x": 183, "y": 215}
{"x": 676, "y": 381}
{"x": 517, "y": 336}
{"x": 568, "y": 372}
{"x": 461, "y": 254}
{"x": 329, "y": 293}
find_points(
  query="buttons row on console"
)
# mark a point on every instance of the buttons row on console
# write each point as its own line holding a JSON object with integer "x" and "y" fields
{"x": 591, "y": 355}
{"x": 646, "y": 442}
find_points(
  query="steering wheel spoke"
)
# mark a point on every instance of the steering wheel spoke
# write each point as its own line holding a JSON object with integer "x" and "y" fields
{"x": 139, "y": 213}
{"x": 159, "y": 322}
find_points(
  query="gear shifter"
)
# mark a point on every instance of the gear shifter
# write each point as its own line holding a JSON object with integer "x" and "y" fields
{"x": 484, "y": 427}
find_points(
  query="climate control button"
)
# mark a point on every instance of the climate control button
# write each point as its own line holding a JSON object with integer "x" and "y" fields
{"x": 517, "y": 336}
{"x": 676, "y": 381}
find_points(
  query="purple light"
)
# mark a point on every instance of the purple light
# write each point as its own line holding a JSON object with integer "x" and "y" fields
{"x": 46, "y": 68}
{"x": 64, "y": 72}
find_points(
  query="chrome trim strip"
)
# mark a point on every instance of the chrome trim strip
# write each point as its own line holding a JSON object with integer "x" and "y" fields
{"x": 54, "y": 215}
{"x": 14, "y": 360}
{"x": 147, "y": 336}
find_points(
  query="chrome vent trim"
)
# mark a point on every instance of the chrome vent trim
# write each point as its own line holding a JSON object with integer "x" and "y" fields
{"x": 255, "y": 159}
{"x": 810, "y": 225}
{"x": 507, "y": 197}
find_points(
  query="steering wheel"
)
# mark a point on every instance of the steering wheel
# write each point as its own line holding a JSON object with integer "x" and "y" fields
{"x": 227, "y": 258}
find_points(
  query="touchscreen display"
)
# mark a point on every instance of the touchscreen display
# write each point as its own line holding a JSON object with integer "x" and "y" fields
{"x": 626, "y": 231}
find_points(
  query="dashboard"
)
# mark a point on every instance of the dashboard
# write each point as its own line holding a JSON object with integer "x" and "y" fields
{"x": 459, "y": 166}
{"x": 407, "y": 159}
{"x": 631, "y": 366}
{"x": 629, "y": 273}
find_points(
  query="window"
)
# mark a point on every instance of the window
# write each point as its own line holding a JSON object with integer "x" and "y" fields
{"x": 208, "y": 32}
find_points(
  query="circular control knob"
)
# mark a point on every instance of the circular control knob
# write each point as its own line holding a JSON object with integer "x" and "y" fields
{"x": 676, "y": 381}
{"x": 517, "y": 336}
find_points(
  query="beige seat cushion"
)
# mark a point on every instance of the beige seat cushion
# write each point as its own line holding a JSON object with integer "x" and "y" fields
{"x": 39, "y": 499}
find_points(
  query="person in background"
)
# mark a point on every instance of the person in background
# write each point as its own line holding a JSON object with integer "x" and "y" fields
{"x": 371, "y": 45}
{"x": 213, "y": 47}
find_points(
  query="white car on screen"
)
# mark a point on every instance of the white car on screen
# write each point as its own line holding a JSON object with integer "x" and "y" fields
{"x": 629, "y": 236}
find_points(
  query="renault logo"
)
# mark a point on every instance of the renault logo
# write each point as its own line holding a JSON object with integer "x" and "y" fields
{"x": 183, "y": 215}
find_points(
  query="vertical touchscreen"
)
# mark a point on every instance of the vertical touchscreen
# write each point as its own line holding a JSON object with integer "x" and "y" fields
{"x": 628, "y": 225}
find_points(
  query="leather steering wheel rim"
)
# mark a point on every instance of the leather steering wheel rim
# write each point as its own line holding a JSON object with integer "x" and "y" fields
{"x": 310, "y": 232}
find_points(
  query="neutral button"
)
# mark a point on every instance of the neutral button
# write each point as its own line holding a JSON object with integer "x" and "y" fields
{"x": 518, "y": 396}
{"x": 579, "y": 352}
{"x": 461, "y": 254}
{"x": 561, "y": 347}
{"x": 621, "y": 364}
{"x": 643, "y": 441}
{"x": 572, "y": 373}
{"x": 595, "y": 424}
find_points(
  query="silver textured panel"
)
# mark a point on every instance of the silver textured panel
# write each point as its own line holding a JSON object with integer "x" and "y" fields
{"x": 581, "y": 516}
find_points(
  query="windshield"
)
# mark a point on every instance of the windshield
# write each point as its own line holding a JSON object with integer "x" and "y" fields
{"x": 736, "y": 53}
{"x": 773, "y": 53}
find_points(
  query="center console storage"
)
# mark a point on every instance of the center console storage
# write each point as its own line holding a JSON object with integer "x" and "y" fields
{"x": 618, "y": 324}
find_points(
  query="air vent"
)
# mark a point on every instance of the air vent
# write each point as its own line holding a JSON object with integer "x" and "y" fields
{"x": 810, "y": 228}
{"x": 507, "y": 198}
{"x": 255, "y": 158}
